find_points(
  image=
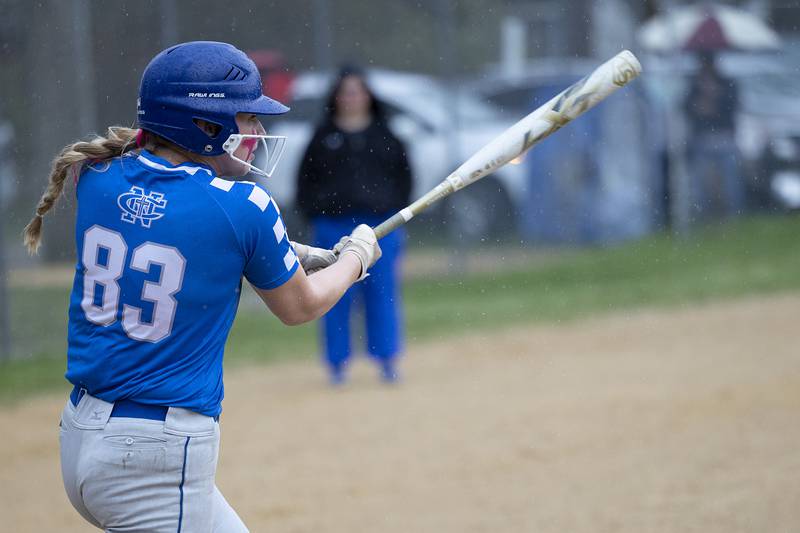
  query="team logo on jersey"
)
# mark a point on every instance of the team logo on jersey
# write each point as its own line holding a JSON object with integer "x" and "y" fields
{"x": 140, "y": 206}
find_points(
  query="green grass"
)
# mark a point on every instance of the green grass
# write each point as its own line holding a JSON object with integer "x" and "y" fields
{"x": 745, "y": 257}
{"x": 757, "y": 255}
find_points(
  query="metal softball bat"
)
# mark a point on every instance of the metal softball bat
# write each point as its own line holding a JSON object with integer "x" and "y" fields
{"x": 522, "y": 136}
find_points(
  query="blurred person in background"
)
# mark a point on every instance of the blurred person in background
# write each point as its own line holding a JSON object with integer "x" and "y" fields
{"x": 355, "y": 171}
{"x": 711, "y": 105}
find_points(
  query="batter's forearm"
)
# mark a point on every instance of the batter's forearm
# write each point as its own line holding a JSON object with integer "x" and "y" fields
{"x": 326, "y": 287}
{"x": 338, "y": 277}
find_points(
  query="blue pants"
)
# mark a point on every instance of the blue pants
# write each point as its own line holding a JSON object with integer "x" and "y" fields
{"x": 380, "y": 294}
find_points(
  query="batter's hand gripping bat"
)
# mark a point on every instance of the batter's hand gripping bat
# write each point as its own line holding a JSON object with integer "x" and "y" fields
{"x": 519, "y": 138}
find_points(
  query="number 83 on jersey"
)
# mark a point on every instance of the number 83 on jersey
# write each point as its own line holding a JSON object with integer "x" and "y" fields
{"x": 104, "y": 257}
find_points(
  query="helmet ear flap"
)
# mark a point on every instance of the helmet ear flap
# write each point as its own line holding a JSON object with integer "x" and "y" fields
{"x": 212, "y": 129}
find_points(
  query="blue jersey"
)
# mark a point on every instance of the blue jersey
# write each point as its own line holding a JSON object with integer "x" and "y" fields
{"x": 162, "y": 250}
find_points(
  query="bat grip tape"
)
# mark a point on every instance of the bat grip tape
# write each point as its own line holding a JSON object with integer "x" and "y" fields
{"x": 392, "y": 223}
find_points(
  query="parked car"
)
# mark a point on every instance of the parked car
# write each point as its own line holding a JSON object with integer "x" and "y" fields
{"x": 770, "y": 120}
{"x": 440, "y": 128}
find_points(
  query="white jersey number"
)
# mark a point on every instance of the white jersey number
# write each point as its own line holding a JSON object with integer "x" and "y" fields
{"x": 104, "y": 254}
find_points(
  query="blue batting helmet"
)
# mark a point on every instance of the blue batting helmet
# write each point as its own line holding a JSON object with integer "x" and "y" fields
{"x": 200, "y": 80}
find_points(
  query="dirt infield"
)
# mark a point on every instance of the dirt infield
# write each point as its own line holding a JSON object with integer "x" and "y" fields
{"x": 649, "y": 421}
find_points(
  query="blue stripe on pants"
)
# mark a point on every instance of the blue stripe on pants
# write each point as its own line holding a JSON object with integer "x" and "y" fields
{"x": 183, "y": 478}
{"x": 380, "y": 292}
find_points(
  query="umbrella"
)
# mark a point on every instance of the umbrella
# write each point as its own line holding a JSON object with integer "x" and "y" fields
{"x": 707, "y": 27}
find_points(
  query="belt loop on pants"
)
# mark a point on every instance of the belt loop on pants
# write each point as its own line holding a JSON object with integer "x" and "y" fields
{"x": 76, "y": 395}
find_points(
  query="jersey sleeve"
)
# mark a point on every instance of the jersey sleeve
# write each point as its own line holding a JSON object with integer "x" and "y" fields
{"x": 269, "y": 257}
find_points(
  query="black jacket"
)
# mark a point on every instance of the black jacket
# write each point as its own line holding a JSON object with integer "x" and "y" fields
{"x": 345, "y": 173}
{"x": 711, "y": 104}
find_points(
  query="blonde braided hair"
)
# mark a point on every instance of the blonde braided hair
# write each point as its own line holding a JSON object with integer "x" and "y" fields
{"x": 70, "y": 162}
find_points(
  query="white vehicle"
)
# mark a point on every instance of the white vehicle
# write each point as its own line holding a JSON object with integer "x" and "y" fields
{"x": 771, "y": 113}
{"x": 440, "y": 128}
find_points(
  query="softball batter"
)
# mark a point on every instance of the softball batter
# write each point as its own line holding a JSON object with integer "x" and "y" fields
{"x": 163, "y": 241}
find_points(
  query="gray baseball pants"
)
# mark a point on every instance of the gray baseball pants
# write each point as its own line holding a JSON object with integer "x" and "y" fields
{"x": 139, "y": 475}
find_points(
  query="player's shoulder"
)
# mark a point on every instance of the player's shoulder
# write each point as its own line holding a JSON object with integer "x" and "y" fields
{"x": 248, "y": 206}
{"x": 246, "y": 197}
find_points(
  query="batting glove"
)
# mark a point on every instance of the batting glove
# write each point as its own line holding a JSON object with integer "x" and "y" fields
{"x": 313, "y": 259}
{"x": 364, "y": 244}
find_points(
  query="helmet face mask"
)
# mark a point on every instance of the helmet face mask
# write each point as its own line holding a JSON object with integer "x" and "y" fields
{"x": 268, "y": 150}
{"x": 208, "y": 81}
